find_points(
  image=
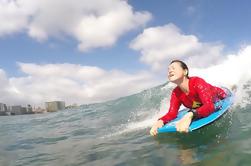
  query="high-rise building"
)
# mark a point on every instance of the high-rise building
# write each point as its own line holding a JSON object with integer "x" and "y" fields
{"x": 54, "y": 106}
{"x": 3, "y": 109}
{"x": 16, "y": 110}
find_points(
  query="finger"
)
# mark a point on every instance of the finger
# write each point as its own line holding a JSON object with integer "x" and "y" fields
{"x": 182, "y": 129}
{"x": 152, "y": 132}
{"x": 187, "y": 130}
{"x": 155, "y": 132}
{"x": 178, "y": 127}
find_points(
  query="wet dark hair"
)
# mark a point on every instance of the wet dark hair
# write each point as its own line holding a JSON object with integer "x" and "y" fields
{"x": 183, "y": 65}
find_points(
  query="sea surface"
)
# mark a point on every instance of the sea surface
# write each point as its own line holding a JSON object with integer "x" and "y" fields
{"x": 117, "y": 133}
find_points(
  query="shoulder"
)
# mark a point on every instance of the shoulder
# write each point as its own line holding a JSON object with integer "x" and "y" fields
{"x": 197, "y": 82}
{"x": 196, "y": 79}
{"x": 177, "y": 91}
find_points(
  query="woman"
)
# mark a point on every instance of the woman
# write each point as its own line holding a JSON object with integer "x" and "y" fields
{"x": 193, "y": 93}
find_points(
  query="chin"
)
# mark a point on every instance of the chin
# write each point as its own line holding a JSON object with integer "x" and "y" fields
{"x": 172, "y": 80}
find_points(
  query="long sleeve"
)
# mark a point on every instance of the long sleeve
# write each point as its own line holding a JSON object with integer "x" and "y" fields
{"x": 205, "y": 94}
{"x": 173, "y": 109}
{"x": 221, "y": 93}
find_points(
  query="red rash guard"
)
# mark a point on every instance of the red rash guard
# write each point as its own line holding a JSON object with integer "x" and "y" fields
{"x": 201, "y": 97}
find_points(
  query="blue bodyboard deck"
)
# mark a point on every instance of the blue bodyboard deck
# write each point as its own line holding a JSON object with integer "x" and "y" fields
{"x": 196, "y": 124}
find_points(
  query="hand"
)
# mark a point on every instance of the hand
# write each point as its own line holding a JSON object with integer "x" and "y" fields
{"x": 183, "y": 124}
{"x": 154, "y": 129}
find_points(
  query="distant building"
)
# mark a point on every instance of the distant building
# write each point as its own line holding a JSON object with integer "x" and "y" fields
{"x": 29, "y": 109}
{"x": 54, "y": 106}
{"x": 19, "y": 110}
{"x": 16, "y": 110}
{"x": 3, "y": 109}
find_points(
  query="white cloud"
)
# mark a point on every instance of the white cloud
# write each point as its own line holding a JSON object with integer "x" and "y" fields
{"x": 8, "y": 92}
{"x": 12, "y": 18}
{"x": 93, "y": 23}
{"x": 159, "y": 45}
{"x": 87, "y": 84}
{"x": 71, "y": 83}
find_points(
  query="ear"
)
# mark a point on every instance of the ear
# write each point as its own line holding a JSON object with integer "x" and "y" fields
{"x": 185, "y": 73}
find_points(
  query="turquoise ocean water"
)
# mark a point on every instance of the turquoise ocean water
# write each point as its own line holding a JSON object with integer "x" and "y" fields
{"x": 117, "y": 133}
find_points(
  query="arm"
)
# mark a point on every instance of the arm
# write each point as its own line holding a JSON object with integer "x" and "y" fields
{"x": 205, "y": 94}
{"x": 173, "y": 109}
{"x": 221, "y": 93}
{"x": 172, "y": 114}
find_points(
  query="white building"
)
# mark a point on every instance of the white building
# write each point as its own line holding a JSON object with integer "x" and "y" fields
{"x": 54, "y": 106}
{"x": 3, "y": 109}
{"x": 16, "y": 110}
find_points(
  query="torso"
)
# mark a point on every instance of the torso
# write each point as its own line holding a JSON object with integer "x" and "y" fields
{"x": 190, "y": 99}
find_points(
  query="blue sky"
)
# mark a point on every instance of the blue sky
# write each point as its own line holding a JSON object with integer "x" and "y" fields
{"x": 41, "y": 39}
{"x": 211, "y": 21}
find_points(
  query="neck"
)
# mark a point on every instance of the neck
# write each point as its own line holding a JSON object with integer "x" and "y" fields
{"x": 184, "y": 84}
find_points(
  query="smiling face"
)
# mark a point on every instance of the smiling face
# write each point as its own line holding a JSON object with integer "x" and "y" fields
{"x": 176, "y": 72}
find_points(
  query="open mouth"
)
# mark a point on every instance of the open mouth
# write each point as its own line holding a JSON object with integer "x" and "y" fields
{"x": 171, "y": 75}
